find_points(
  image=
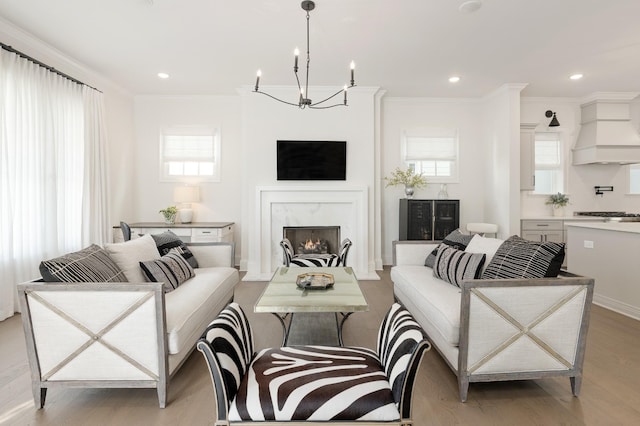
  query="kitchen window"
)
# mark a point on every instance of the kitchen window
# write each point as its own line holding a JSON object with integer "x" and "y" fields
{"x": 189, "y": 152}
{"x": 432, "y": 152}
{"x": 634, "y": 179}
{"x": 549, "y": 168}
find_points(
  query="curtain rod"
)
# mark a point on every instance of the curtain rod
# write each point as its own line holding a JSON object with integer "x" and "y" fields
{"x": 45, "y": 66}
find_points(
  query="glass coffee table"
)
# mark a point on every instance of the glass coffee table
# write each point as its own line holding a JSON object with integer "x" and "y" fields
{"x": 282, "y": 297}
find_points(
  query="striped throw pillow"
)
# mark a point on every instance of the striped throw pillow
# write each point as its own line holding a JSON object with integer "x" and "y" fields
{"x": 455, "y": 239}
{"x": 168, "y": 241}
{"x": 454, "y": 266}
{"x": 171, "y": 269}
{"x": 91, "y": 264}
{"x": 520, "y": 258}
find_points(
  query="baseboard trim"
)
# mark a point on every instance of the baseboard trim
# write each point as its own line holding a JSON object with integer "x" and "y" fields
{"x": 617, "y": 306}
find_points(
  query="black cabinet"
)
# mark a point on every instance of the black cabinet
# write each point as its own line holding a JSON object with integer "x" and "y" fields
{"x": 428, "y": 219}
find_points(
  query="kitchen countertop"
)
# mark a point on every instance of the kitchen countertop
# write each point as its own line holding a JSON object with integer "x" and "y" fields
{"x": 632, "y": 227}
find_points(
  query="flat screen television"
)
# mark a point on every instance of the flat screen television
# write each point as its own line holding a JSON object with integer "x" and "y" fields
{"x": 312, "y": 160}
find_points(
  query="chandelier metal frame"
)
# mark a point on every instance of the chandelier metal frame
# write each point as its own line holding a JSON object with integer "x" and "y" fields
{"x": 303, "y": 100}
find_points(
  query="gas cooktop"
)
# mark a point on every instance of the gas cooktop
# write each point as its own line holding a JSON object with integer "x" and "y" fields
{"x": 612, "y": 216}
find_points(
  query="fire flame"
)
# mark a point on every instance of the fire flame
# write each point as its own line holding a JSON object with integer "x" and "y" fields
{"x": 310, "y": 245}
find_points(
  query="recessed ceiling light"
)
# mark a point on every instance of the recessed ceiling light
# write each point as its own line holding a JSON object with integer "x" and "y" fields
{"x": 454, "y": 79}
{"x": 470, "y": 6}
{"x": 576, "y": 77}
{"x": 163, "y": 75}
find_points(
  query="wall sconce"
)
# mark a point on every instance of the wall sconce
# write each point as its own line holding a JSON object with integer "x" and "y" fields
{"x": 186, "y": 195}
{"x": 554, "y": 121}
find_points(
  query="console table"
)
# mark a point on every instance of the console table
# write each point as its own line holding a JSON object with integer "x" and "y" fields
{"x": 200, "y": 232}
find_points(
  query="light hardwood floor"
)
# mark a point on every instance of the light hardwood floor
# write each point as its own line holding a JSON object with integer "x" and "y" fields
{"x": 610, "y": 391}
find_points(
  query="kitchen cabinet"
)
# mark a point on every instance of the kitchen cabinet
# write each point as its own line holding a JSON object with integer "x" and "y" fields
{"x": 527, "y": 157}
{"x": 428, "y": 219}
{"x": 543, "y": 230}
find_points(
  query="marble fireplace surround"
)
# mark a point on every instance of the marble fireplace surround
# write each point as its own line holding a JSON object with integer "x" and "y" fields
{"x": 280, "y": 206}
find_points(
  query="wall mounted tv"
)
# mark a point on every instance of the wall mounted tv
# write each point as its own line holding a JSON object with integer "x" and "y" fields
{"x": 312, "y": 160}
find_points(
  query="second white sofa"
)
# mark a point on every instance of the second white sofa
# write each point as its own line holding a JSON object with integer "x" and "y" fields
{"x": 497, "y": 329}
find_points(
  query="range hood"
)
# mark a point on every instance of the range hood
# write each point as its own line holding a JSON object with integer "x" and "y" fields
{"x": 607, "y": 135}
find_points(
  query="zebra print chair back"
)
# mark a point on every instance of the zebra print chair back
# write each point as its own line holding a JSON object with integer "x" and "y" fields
{"x": 227, "y": 345}
{"x": 344, "y": 251}
{"x": 401, "y": 346}
{"x": 287, "y": 251}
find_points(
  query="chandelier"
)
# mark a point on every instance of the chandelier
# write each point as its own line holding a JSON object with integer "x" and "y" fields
{"x": 303, "y": 99}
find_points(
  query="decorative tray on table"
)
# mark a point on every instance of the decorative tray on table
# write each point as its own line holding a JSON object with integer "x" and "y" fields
{"x": 315, "y": 281}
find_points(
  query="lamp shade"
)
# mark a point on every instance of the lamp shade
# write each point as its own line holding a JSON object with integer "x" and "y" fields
{"x": 186, "y": 194}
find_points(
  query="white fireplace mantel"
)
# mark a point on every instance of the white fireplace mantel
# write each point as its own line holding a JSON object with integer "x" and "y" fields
{"x": 280, "y": 206}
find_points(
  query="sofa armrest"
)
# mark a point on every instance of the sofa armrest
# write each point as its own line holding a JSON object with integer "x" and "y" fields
{"x": 213, "y": 254}
{"x": 95, "y": 335}
{"x": 523, "y": 328}
{"x": 412, "y": 252}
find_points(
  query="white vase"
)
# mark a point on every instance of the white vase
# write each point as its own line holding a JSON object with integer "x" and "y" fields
{"x": 558, "y": 211}
{"x": 408, "y": 191}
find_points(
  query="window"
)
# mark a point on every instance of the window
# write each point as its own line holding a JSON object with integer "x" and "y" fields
{"x": 432, "y": 152}
{"x": 189, "y": 152}
{"x": 634, "y": 179}
{"x": 549, "y": 176}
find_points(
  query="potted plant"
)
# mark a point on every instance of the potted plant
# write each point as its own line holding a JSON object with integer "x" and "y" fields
{"x": 169, "y": 214}
{"x": 558, "y": 202}
{"x": 408, "y": 178}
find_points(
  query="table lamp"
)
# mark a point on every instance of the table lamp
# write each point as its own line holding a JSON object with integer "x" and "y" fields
{"x": 185, "y": 195}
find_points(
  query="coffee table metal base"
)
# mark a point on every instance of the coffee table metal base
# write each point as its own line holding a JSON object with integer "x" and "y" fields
{"x": 286, "y": 328}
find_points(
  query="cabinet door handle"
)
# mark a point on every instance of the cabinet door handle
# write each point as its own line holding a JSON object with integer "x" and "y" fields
{"x": 206, "y": 232}
{"x": 542, "y": 224}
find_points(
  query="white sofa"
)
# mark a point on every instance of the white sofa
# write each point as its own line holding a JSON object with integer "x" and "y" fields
{"x": 499, "y": 329}
{"x": 122, "y": 334}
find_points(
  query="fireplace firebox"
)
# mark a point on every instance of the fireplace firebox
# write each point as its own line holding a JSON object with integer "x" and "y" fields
{"x": 313, "y": 239}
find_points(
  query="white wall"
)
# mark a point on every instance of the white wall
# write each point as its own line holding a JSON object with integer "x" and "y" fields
{"x": 264, "y": 121}
{"x": 407, "y": 113}
{"x": 580, "y": 179}
{"x": 220, "y": 201}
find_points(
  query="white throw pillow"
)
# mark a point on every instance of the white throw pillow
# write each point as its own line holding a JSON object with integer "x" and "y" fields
{"x": 128, "y": 256}
{"x": 488, "y": 246}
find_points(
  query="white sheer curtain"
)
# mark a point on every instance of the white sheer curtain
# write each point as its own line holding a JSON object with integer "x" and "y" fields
{"x": 44, "y": 171}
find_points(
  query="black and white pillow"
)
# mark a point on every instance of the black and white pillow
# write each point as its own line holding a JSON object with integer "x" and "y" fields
{"x": 455, "y": 266}
{"x": 172, "y": 269}
{"x": 455, "y": 239}
{"x": 168, "y": 241}
{"x": 520, "y": 258}
{"x": 91, "y": 264}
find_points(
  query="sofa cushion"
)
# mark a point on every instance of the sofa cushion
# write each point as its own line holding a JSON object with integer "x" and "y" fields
{"x": 520, "y": 258}
{"x": 91, "y": 264}
{"x": 488, "y": 246}
{"x": 314, "y": 383}
{"x": 455, "y": 266}
{"x": 455, "y": 239}
{"x": 439, "y": 301}
{"x": 168, "y": 241}
{"x": 191, "y": 306}
{"x": 129, "y": 254}
{"x": 171, "y": 269}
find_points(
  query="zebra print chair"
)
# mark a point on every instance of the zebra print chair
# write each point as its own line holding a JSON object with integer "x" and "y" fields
{"x": 313, "y": 383}
{"x": 322, "y": 260}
